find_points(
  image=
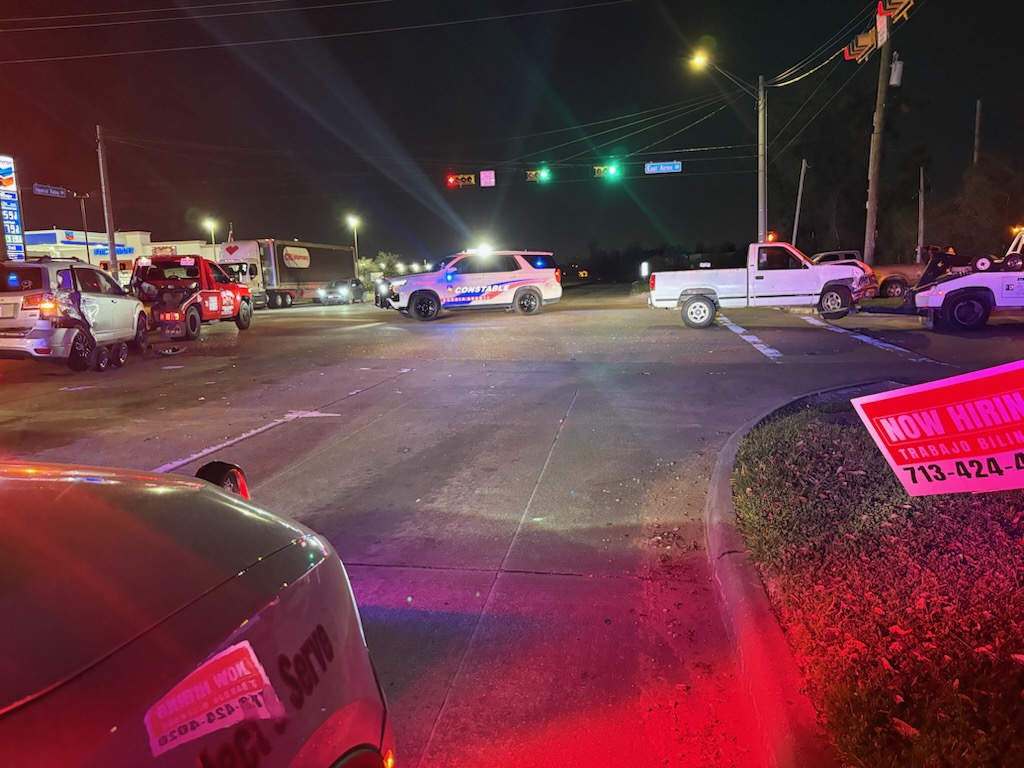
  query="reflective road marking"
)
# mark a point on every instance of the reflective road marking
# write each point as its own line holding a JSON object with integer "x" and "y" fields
{"x": 770, "y": 352}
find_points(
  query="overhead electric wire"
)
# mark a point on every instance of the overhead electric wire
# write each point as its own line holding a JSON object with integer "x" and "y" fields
{"x": 845, "y": 30}
{"x": 195, "y": 17}
{"x": 99, "y": 14}
{"x": 307, "y": 38}
{"x": 684, "y": 128}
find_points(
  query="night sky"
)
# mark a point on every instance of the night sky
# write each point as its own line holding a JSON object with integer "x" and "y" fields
{"x": 375, "y": 102}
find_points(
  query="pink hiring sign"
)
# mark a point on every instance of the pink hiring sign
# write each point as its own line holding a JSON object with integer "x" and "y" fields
{"x": 956, "y": 435}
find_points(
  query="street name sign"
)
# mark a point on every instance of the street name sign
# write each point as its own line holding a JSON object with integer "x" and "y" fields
{"x": 955, "y": 435}
{"x": 49, "y": 191}
{"x": 670, "y": 166}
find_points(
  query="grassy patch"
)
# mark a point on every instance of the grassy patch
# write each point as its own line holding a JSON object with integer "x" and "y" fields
{"x": 906, "y": 615}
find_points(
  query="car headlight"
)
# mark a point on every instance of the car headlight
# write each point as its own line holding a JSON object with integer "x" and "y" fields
{"x": 343, "y": 291}
{"x": 320, "y": 291}
{"x": 396, "y": 283}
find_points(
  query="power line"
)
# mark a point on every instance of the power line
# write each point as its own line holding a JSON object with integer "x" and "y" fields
{"x": 100, "y": 14}
{"x": 307, "y": 38}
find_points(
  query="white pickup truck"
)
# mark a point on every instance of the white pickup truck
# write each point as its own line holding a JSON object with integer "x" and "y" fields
{"x": 776, "y": 275}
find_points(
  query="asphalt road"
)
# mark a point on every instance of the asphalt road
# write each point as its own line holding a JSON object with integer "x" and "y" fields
{"x": 519, "y": 501}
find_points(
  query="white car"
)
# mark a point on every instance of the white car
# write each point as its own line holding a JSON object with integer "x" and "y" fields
{"x": 158, "y": 620}
{"x": 519, "y": 280}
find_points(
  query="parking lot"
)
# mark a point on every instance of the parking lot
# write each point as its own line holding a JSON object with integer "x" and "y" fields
{"x": 519, "y": 500}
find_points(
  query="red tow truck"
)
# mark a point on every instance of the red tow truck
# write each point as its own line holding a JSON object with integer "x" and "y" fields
{"x": 183, "y": 292}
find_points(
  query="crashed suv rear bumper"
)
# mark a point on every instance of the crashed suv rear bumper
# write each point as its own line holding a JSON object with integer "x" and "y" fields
{"x": 37, "y": 344}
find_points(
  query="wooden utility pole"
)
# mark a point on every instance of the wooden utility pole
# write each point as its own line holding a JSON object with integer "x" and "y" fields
{"x": 108, "y": 208}
{"x": 799, "y": 198}
{"x": 920, "y": 216}
{"x": 875, "y": 157}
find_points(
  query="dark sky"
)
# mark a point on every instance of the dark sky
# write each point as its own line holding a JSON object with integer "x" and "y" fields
{"x": 367, "y": 115}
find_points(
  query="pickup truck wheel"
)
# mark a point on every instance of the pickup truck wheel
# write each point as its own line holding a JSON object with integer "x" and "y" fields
{"x": 698, "y": 312}
{"x": 193, "y": 323}
{"x": 982, "y": 263}
{"x": 244, "y": 317}
{"x": 527, "y": 302}
{"x": 835, "y": 302}
{"x": 424, "y": 306}
{"x": 966, "y": 311}
{"x": 141, "y": 340}
{"x": 1013, "y": 262}
{"x": 893, "y": 288}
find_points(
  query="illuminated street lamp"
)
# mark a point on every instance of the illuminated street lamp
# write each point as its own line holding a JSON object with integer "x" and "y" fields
{"x": 700, "y": 61}
{"x": 211, "y": 225}
{"x": 353, "y": 222}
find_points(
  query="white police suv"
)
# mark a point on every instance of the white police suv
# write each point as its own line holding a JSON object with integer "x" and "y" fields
{"x": 519, "y": 280}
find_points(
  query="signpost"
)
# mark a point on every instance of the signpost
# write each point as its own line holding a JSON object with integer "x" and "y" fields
{"x": 10, "y": 210}
{"x": 956, "y": 435}
{"x": 670, "y": 166}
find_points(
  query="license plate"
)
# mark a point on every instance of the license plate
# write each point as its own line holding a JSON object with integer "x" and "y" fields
{"x": 172, "y": 330}
{"x": 7, "y": 311}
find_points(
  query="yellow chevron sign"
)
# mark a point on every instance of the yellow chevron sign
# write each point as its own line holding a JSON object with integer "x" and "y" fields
{"x": 862, "y": 45}
{"x": 898, "y": 9}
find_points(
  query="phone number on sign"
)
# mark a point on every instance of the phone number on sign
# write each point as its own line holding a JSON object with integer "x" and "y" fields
{"x": 225, "y": 712}
{"x": 968, "y": 469}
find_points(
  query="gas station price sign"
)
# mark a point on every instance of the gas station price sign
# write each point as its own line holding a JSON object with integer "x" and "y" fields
{"x": 10, "y": 211}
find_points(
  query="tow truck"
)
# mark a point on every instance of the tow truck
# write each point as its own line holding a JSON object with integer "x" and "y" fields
{"x": 183, "y": 292}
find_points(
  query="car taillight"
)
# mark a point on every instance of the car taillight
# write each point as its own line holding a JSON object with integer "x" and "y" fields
{"x": 558, "y": 275}
{"x": 652, "y": 283}
{"x": 45, "y": 303}
{"x": 171, "y": 317}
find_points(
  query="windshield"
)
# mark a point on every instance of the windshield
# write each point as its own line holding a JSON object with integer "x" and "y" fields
{"x": 167, "y": 272}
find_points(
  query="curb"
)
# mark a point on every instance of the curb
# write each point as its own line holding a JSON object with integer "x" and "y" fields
{"x": 789, "y": 726}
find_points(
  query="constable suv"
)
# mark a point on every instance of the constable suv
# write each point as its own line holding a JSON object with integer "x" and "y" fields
{"x": 66, "y": 310}
{"x": 519, "y": 280}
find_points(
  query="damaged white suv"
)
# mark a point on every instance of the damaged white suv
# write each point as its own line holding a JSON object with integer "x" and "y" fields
{"x": 519, "y": 280}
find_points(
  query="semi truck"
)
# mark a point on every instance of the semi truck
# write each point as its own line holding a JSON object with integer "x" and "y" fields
{"x": 281, "y": 273}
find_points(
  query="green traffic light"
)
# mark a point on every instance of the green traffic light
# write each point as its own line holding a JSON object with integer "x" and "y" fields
{"x": 613, "y": 170}
{"x": 544, "y": 174}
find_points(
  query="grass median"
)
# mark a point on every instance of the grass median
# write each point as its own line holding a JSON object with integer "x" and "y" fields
{"x": 905, "y": 614}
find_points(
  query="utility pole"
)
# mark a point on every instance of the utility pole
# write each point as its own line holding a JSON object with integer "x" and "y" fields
{"x": 762, "y": 162}
{"x": 875, "y": 157}
{"x": 977, "y": 130}
{"x": 799, "y": 197}
{"x": 108, "y": 209}
{"x": 920, "y": 216}
{"x": 81, "y": 198}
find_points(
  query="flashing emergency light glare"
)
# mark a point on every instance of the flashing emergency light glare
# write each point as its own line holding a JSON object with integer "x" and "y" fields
{"x": 12, "y": 280}
{"x": 449, "y": 276}
{"x": 484, "y": 249}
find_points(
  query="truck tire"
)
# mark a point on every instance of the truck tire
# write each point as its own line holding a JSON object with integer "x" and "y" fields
{"x": 288, "y": 300}
{"x": 244, "y": 317}
{"x": 893, "y": 288}
{"x": 966, "y": 311}
{"x": 527, "y": 302}
{"x": 193, "y": 323}
{"x": 698, "y": 312}
{"x": 982, "y": 263}
{"x": 424, "y": 305}
{"x": 1013, "y": 262}
{"x": 274, "y": 301}
{"x": 835, "y": 302}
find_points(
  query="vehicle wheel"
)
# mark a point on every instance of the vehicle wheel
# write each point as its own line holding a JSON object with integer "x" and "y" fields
{"x": 982, "y": 263}
{"x": 119, "y": 354}
{"x": 967, "y": 311}
{"x": 141, "y": 341}
{"x": 699, "y": 312}
{"x": 82, "y": 347}
{"x": 193, "y": 322}
{"x": 288, "y": 300}
{"x": 224, "y": 475}
{"x": 244, "y": 317}
{"x": 1014, "y": 262}
{"x": 527, "y": 302}
{"x": 893, "y": 288}
{"x": 274, "y": 301}
{"x": 424, "y": 306}
{"x": 835, "y": 302}
{"x": 100, "y": 359}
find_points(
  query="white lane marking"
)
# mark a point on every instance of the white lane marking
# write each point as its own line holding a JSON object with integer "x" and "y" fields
{"x": 770, "y": 352}
{"x": 77, "y": 389}
{"x": 873, "y": 342}
{"x": 290, "y": 416}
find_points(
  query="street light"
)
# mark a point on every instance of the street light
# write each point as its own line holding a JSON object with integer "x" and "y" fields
{"x": 211, "y": 225}
{"x": 700, "y": 61}
{"x": 353, "y": 221}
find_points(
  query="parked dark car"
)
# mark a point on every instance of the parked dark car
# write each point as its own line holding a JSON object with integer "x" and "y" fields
{"x": 343, "y": 292}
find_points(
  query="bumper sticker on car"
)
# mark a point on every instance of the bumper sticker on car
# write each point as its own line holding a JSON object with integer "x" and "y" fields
{"x": 225, "y": 690}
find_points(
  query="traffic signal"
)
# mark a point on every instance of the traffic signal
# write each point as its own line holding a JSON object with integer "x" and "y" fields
{"x": 461, "y": 180}
{"x": 610, "y": 171}
{"x": 540, "y": 175}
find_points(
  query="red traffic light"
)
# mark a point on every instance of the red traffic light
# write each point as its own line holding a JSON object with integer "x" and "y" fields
{"x": 452, "y": 181}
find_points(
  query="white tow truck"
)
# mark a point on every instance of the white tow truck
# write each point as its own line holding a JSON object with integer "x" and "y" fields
{"x": 776, "y": 275}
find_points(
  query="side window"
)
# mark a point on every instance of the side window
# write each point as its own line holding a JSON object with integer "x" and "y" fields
{"x": 540, "y": 260}
{"x": 64, "y": 281}
{"x": 465, "y": 266}
{"x": 219, "y": 275}
{"x": 89, "y": 280}
{"x": 509, "y": 263}
{"x": 772, "y": 258}
{"x": 108, "y": 285}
